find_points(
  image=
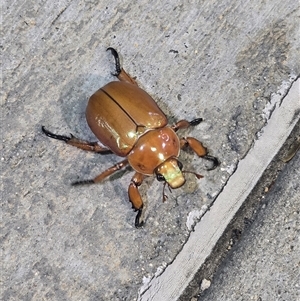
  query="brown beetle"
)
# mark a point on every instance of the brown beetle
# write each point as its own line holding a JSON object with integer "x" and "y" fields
{"x": 130, "y": 124}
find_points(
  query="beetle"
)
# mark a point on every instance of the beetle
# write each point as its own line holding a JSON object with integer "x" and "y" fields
{"x": 129, "y": 123}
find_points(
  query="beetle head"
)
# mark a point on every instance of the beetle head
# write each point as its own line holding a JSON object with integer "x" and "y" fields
{"x": 170, "y": 172}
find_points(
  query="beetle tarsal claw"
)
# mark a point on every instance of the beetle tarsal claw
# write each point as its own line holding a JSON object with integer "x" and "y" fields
{"x": 83, "y": 182}
{"x": 196, "y": 121}
{"x": 54, "y": 136}
{"x": 138, "y": 222}
{"x": 215, "y": 162}
{"x": 117, "y": 60}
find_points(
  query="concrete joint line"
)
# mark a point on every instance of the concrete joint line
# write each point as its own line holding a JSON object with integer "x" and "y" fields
{"x": 170, "y": 284}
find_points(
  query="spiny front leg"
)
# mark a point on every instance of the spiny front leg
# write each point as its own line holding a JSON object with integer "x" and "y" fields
{"x": 104, "y": 174}
{"x": 199, "y": 149}
{"x": 184, "y": 124}
{"x": 82, "y": 144}
{"x": 121, "y": 74}
{"x": 135, "y": 197}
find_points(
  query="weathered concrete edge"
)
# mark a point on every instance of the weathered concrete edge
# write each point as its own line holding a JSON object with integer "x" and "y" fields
{"x": 177, "y": 276}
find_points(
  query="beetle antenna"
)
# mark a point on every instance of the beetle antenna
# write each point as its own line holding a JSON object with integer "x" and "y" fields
{"x": 164, "y": 195}
{"x": 198, "y": 176}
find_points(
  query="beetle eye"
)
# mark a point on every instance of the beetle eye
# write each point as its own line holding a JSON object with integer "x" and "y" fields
{"x": 160, "y": 177}
{"x": 179, "y": 165}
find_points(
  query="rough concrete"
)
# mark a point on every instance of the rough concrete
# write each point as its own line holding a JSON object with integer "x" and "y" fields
{"x": 264, "y": 265}
{"x": 244, "y": 218}
{"x": 216, "y": 60}
{"x": 212, "y": 226}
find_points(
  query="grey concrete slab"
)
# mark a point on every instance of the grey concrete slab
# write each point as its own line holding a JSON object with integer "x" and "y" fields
{"x": 209, "y": 230}
{"x": 216, "y": 60}
{"x": 264, "y": 265}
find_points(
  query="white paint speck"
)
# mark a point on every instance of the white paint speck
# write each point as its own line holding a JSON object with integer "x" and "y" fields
{"x": 194, "y": 216}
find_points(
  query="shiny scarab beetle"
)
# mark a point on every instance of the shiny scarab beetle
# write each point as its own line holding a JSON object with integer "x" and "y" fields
{"x": 130, "y": 124}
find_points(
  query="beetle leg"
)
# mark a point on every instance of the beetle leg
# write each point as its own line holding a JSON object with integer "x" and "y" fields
{"x": 104, "y": 174}
{"x": 120, "y": 72}
{"x": 199, "y": 149}
{"x": 82, "y": 144}
{"x": 135, "y": 197}
{"x": 184, "y": 124}
{"x": 117, "y": 60}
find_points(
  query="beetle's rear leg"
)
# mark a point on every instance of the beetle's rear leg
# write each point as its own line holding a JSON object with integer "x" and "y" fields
{"x": 184, "y": 124}
{"x": 199, "y": 149}
{"x": 82, "y": 144}
{"x": 135, "y": 197}
{"x": 120, "y": 72}
{"x": 104, "y": 174}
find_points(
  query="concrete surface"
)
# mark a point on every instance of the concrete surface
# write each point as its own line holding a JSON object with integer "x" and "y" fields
{"x": 216, "y": 60}
{"x": 264, "y": 265}
{"x": 240, "y": 227}
{"x": 212, "y": 226}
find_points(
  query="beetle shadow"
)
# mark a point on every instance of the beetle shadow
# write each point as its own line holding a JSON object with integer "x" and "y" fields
{"x": 73, "y": 102}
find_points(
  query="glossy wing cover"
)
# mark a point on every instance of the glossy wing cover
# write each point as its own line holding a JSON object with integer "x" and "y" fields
{"x": 119, "y": 113}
